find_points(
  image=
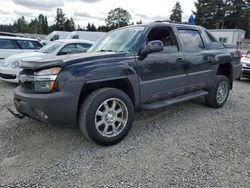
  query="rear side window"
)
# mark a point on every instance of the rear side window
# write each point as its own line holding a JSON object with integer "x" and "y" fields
{"x": 75, "y": 37}
{"x": 25, "y": 44}
{"x": 7, "y": 44}
{"x": 55, "y": 37}
{"x": 191, "y": 40}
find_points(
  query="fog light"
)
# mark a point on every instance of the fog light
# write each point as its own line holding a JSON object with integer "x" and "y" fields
{"x": 41, "y": 114}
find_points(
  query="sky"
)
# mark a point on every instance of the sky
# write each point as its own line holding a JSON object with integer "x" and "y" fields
{"x": 94, "y": 11}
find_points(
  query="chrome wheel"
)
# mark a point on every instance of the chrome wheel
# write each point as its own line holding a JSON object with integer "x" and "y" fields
{"x": 111, "y": 117}
{"x": 222, "y": 92}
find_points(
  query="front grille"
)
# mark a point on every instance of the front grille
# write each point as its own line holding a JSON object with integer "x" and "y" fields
{"x": 28, "y": 86}
{"x": 8, "y": 76}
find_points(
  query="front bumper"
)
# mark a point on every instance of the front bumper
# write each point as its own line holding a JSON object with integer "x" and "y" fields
{"x": 246, "y": 72}
{"x": 9, "y": 74}
{"x": 55, "y": 108}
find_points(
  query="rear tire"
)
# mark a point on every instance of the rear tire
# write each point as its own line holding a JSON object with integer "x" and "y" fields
{"x": 218, "y": 94}
{"x": 106, "y": 116}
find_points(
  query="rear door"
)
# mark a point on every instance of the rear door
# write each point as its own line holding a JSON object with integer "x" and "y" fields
{"x": 8, "y": 47}
{"x": 197, "y": 59}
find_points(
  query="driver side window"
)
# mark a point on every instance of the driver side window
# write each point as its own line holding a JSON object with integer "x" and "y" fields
{"x": 164, "y": 34}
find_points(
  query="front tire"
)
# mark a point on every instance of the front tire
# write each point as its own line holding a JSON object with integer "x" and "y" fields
{"x": 106, "y": 116}
{"x": 218, "y": 94}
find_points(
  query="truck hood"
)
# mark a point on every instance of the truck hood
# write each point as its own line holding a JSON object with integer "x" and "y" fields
{"x": 31, "y": 56}
{"x": 69, "y": 60}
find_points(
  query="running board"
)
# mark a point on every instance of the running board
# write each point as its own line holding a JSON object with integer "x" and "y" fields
{"x": 174, "y": 100}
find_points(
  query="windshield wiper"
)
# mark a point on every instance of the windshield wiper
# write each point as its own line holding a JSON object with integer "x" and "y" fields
{"x": 106, "y": 51}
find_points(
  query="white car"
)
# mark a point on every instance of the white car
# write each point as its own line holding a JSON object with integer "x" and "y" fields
{"x": 9, "y": 69}
{"x": 245, "y": 60}
{"x": 15, "y": 45}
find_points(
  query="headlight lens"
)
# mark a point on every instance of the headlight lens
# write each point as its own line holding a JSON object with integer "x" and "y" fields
{"x": 43, "y": 80}
{"x": 51, "y": 71}
{"x": 15, "y": 64}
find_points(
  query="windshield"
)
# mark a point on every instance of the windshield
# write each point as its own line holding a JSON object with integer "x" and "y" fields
{"x": 122, "y": 40}
{"x": 49, "y": 36}
{"x": 51, "y": 47}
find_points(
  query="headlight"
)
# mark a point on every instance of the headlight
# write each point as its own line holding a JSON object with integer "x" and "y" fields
{"x": 15, "y": 64}
{"x": 43, "y": 80}
{"x": 51, "y": 71}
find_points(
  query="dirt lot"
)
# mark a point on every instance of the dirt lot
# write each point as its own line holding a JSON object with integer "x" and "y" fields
{"x": 186, "y": 145}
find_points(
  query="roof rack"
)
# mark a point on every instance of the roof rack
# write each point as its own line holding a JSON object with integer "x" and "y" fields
{"x": 169, "y": 21}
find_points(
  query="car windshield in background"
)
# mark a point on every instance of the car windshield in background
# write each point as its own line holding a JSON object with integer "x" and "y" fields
{"x": 51, "y": 48}
{"x": 122, "y": 40}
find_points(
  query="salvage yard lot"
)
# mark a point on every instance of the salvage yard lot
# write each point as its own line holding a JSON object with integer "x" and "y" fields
{"x": 187, "y": 144}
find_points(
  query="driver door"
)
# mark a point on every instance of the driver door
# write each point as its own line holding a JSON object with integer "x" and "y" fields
{"x": 161, "y": 74}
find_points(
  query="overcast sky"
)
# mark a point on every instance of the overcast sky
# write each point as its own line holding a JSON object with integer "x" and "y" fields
{"x": 94, "y": 11}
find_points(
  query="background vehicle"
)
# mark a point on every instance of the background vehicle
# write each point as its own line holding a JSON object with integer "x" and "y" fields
{"x": 14, "y": 45}
{"x": 9, "y": 70}
{"x": 245, "y": 60}
{"x": 136, "y": 67}
{"x": 55, "y": 35}
{"x": 86, "y": 35}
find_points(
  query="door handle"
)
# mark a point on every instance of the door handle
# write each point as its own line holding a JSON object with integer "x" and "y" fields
{"x": 180, "y": 60}
{"x": 184, "y": 63}
{"x": 206, "y": 59}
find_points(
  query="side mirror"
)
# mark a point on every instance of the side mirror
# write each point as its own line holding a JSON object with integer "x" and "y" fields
{"x": 153, "y": 47}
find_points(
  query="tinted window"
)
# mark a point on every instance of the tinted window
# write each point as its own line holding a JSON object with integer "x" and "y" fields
{"x": 191, "y": 40}
{"x": 7, "y": 44}
{"x": 75, "y": 37}
{"x": 163, "y": 34}
{"x": 55, "y": 37}
{"x": 37, "y": 45}
{"x": 26, "y": 44}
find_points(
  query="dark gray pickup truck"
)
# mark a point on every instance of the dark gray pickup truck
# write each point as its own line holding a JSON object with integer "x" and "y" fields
{"x": 136, "y": 67}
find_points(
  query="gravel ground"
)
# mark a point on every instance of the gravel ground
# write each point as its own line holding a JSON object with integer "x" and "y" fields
{"x": 185, "y": 145}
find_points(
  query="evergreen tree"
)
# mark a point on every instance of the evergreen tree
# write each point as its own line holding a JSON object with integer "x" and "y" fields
{"x": 69, "y": 25}
{"x": 176, "y": 15}
{"x": 93, "y": 27}
{"x": 219, "y": 14}
{"x": 60, "y": 20}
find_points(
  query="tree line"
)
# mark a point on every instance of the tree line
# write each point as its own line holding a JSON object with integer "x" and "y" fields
{"x": 211, "y": 14}
{"x": 218, "y": 14}
{"x": 116, "y": 18}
